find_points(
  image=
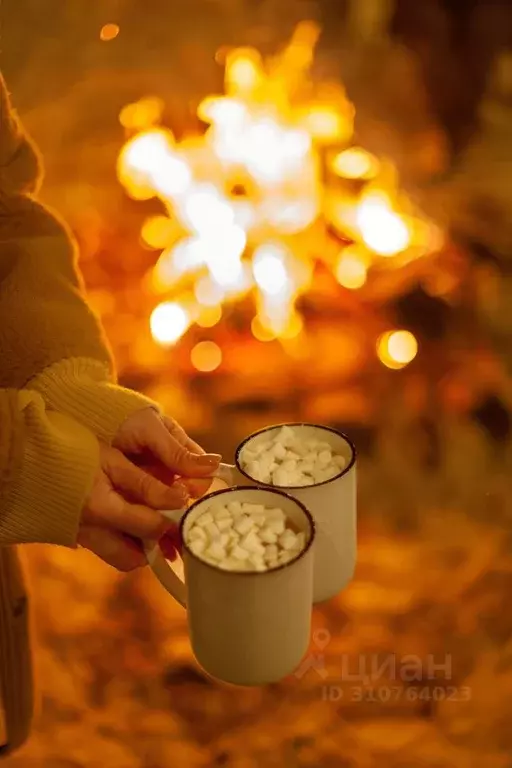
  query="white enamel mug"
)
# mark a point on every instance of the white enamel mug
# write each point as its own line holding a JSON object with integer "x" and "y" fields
{"x": 246, "y": 627}
{"x": 332, "y": 503}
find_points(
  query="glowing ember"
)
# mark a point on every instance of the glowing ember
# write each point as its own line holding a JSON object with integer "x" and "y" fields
{"x": 250, "y": 207}
{"x": 396, "y": 349}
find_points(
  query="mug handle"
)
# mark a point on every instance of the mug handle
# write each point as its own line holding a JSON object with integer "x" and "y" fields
{"x": 230, "y": 474}
{"x": 160, "y": 566}
{"x": 170, "y": 581}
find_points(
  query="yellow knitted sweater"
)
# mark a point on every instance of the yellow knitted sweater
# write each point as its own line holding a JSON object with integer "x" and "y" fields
{"x": 57, "y": 395}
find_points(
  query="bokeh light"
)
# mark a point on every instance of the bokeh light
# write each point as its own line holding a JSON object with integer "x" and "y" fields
{"x": 355, "y": 163}
{"x": 206, "y": 356}
{"x": 168, "y": 322}
{"x": 109, "y": 32}
{"x": 396, "y": 349}
{"x": 351, "y": 269}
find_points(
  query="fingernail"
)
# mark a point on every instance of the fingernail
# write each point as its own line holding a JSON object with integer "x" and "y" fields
{"x": 208, "y": 459}
{"x": 181, "y": 489}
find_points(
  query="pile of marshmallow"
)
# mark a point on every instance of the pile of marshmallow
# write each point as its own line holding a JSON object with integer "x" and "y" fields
{"x": 289, "y": 460}
{"x": 241, "y": 536}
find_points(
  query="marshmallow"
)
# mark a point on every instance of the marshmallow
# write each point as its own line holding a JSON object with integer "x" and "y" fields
{"x": 197, "y": 533}
{"x": 288, "y": 540}
{"x": 324, "y": 458}
{"x": 197, "y": 545}
{"x": 268, "y": 536}
{"x": 216, "y": 551}
{"x": 239, "y": 553}
{"x": 243, "y": 524}
{"x": 275, "y": 526}
{"x": 290, "y": 461}
{"x": 220, "y": 513}
{"x": 244, "y": 537}
{"x": 212, "y": 530}
{"x": 205, "y": 519}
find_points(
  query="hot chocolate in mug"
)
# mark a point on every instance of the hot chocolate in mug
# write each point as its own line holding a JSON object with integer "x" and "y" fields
{"x": 246, "y": 627}
{"x": 332, "y": 504}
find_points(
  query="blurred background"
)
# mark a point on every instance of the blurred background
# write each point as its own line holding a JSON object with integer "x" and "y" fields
{"x": 293, "y": 210}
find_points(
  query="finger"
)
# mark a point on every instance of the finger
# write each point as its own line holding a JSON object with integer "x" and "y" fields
{"x": 196, "y": 486}
{"x": 170, "y": 543}
{"x": 177, "y": 457}
{"x": 142, "y": 486}
{"x": 113, "y": 548}
{"x": 115, "y": 513}
{"x": 177, "y": 431}
{"x": 156, "y": 469}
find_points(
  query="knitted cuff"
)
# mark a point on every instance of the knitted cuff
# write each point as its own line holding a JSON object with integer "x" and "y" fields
{"x": 80, "y": 388}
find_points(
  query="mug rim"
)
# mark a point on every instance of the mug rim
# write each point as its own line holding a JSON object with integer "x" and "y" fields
{"x": 222, "y": 491}
{"x": 285, "y": 488}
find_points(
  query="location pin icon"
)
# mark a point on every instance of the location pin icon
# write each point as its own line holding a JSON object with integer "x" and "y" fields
{"x": 321, "y": 638}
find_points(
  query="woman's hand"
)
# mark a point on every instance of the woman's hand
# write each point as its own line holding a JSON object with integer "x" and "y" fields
{"x": 159, "y": 444}
{"x": 122, "y": 508}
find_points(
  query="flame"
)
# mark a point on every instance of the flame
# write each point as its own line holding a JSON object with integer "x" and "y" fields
{"x": 248, "y": 203}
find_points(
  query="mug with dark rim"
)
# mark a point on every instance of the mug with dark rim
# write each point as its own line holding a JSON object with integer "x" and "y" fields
{"x": 246, "y": 627}
{"x": 332, "y": 503}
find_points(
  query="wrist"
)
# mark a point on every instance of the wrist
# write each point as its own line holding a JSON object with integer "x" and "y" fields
{"x": 81, "y": 388}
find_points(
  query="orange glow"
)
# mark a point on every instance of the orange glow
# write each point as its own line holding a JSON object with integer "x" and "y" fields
{"x": 355, "y": 163}
{"x": 247, "y": 207}
{"x": 109, "y": 32}
{"x": 396, "y": 349}
{"x": 206, "y": 356}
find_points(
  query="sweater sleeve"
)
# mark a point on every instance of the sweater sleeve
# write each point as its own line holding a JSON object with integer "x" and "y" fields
{"x": 46, "y": 325}
{"x": 47, "y": 466}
